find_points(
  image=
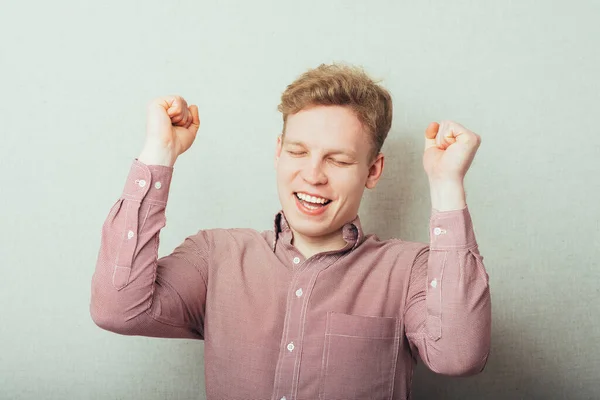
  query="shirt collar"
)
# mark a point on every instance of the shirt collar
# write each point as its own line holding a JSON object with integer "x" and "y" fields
{"x": 351, "y": 232}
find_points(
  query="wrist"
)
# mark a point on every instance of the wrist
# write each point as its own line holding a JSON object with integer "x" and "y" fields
{"x": 154, "y": 156}
{"x": 447, "y": 195}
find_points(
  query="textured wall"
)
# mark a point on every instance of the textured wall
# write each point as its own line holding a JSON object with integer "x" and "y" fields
{"x": 74, "y": 81}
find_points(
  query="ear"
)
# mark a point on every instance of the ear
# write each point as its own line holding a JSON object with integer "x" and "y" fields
{"x": 278, "y": 148}
{"x": 375, "y": 171}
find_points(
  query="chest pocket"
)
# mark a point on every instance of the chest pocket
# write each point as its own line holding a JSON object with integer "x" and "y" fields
{"x": 359, "y": 357}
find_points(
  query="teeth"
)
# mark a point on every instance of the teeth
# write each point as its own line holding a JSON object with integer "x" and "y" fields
{"x": 311, "y": 199}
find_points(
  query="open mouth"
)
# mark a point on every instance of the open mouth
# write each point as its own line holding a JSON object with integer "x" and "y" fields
{"x": 310, "y": 203}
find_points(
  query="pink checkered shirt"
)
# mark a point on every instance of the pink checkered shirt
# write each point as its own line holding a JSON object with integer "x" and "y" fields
{"x": 345, "y": 324}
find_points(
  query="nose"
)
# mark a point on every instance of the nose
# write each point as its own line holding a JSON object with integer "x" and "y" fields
{"x": 313, "y": 174}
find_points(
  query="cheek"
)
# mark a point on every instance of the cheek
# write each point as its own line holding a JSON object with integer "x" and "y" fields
{"x": 348, "y": 185}
{"x": 286, "y": 170}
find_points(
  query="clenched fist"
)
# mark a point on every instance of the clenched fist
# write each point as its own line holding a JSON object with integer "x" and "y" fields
{"x": 449, "y": 151}
{"x": 171, "y": 128}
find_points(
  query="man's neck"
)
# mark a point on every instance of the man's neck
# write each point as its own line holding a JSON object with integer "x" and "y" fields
{"x": 309, "y": 246}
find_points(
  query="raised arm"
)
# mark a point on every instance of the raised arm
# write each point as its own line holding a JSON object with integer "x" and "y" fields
{"x": 448, "y": 313}
{"x": 133, "y": 292}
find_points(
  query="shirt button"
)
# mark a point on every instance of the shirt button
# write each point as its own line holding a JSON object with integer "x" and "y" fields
{"x": 434, "y": 283}
{"x": 142, "y": 183}
{"x": 296, "y": 260}
{"x": 158, "y": 185}
{"x": 299, "y": 292}
{"x": 290, "y": 346}
{"x": 437, "y": 231}
{"x": 129, "y": 234}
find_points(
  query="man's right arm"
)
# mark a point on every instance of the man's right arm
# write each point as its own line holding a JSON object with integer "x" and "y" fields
{"x": 134, "y": 292}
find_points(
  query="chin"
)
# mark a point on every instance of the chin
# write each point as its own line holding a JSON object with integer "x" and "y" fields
{"x": 309, "y": 228}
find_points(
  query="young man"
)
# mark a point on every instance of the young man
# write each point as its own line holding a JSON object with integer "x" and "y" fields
{"x": 315, "y": 308}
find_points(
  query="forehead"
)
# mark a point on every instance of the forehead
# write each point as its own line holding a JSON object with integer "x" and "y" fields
{"x": 327, "y": 126}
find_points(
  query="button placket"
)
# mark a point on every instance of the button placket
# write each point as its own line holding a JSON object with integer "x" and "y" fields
{"x": 295, "y": 308}
{"x": 299, "y": 289}
{"x": 291, "y": 348}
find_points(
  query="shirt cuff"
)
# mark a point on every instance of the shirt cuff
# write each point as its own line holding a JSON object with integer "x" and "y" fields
{"x": 451, "y": 230}
{"x": 148, "y": 182}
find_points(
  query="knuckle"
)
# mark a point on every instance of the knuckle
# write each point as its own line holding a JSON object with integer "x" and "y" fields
{"x": 473, "y": 138}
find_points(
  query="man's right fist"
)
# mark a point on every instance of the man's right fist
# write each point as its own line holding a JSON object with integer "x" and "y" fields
{"x": 171, "y": 128}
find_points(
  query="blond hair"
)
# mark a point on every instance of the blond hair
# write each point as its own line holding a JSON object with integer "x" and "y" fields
{"x": 342, "y": 85}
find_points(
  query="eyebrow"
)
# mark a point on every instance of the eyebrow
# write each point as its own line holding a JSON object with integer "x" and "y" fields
{"x": 346, "y": 152}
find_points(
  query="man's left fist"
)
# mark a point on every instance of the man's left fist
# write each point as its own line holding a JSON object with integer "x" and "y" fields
{"x": 449, "y": 151}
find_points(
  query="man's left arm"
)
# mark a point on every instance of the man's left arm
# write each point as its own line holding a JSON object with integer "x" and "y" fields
{"x": 448, "y": 311}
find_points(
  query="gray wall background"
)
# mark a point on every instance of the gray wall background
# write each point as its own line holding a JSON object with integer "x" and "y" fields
{"x": 75, "y": 78}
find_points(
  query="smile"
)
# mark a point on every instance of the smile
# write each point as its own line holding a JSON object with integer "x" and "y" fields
{"x": 311, "y": 205}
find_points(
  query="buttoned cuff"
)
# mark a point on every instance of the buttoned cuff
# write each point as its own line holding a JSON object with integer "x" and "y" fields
{"x": 451, "y": 230}
{"x": 150, "y": 182}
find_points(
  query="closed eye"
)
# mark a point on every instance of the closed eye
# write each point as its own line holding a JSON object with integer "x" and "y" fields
{"x": 296, "y": 153}
{"x": 341, "y": 163}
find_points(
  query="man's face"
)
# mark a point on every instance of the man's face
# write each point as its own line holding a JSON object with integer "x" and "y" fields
{"x": 323, "y": 166}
